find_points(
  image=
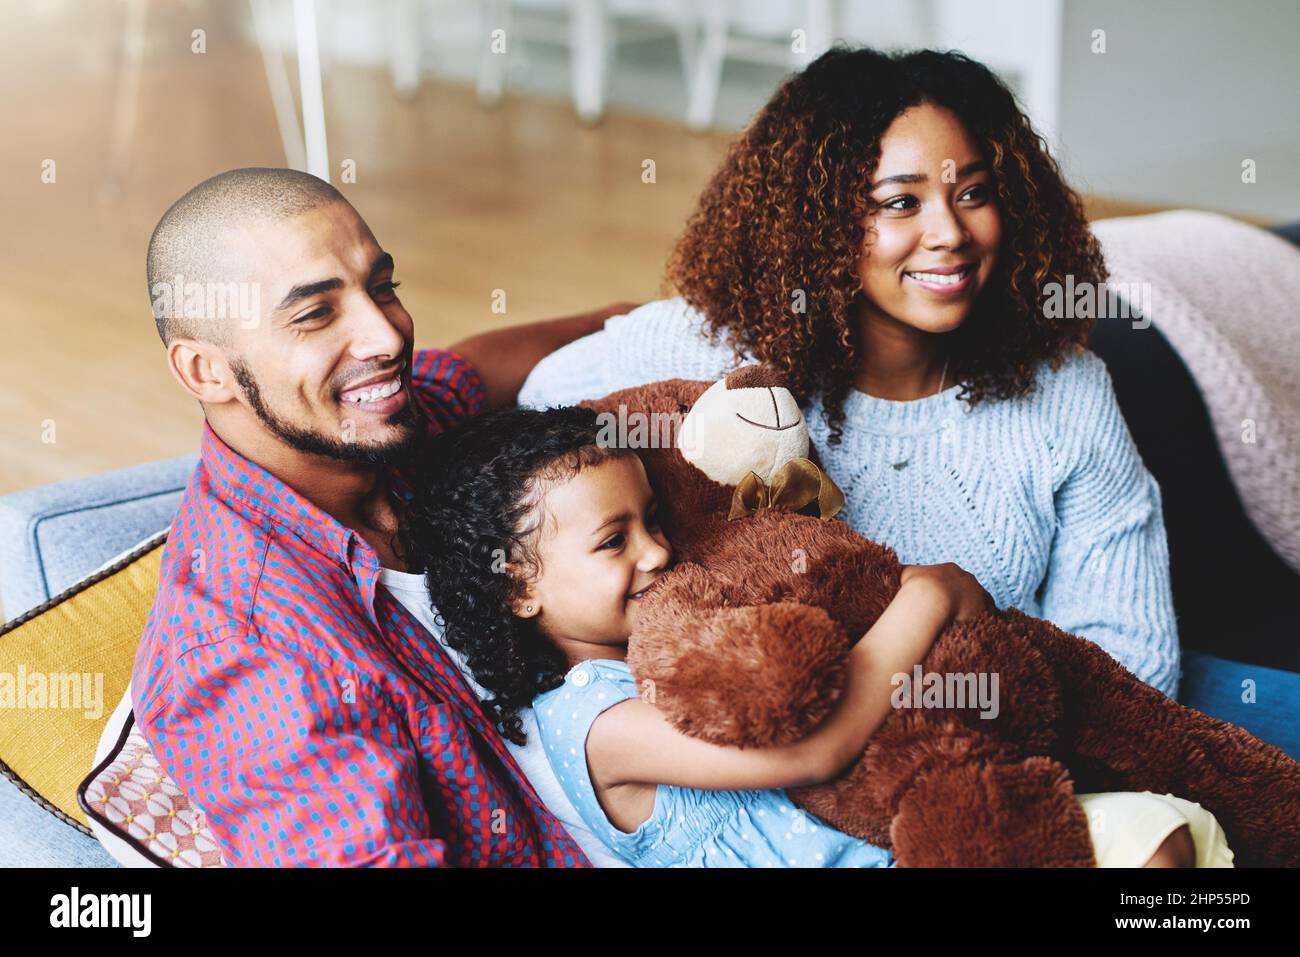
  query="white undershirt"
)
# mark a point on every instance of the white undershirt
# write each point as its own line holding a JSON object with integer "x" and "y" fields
{"x": 412, "y": 592}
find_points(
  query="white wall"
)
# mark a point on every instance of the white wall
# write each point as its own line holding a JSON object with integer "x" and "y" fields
{"x": 1186, "y": 90}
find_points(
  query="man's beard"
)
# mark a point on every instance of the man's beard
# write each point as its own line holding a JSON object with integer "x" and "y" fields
{"x": 316, "y": 443}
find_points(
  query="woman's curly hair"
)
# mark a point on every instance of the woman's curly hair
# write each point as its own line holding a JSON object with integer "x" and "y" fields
{"x": 475, "y": 504}
{"x": 786, "y": 212}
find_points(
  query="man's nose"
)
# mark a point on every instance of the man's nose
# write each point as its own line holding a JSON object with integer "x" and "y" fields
{"x": 373, "y": 333}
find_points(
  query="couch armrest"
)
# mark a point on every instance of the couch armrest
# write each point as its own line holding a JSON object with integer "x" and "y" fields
{"x": 55, "y": 535}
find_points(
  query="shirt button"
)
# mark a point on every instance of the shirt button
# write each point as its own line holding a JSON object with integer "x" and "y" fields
{"x": 581, "y": 677}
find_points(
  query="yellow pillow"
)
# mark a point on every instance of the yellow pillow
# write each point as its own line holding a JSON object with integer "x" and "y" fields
{"x": 63, "y": 667}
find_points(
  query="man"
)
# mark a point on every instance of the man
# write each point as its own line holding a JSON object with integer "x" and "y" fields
{"x": 302, "y": 708}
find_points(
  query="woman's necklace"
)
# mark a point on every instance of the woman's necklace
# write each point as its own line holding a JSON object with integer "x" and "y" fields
{"x": 943, "y": 378}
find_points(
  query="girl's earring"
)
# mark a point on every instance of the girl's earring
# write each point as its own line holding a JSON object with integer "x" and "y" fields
{"x": 528, "y": 608}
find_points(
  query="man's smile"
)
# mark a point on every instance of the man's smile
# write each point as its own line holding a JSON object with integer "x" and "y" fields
{"x": 378, "y": 395}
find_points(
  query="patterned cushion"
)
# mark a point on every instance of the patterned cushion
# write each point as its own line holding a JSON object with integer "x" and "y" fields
{"x": 138, "y": 812}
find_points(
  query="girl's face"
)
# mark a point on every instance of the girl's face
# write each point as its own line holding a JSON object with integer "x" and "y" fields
{"x": 932, "y": 238}
{"x": 599, "y": 547}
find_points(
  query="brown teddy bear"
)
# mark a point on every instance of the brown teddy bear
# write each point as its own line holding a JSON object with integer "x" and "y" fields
{"x": 744, "y": 643}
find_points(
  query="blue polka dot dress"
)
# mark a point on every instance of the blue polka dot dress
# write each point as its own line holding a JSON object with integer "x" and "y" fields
{"x": 689, "y": 827}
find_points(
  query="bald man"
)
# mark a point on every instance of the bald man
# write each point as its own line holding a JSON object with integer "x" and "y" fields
{"x": 305, "y": 710}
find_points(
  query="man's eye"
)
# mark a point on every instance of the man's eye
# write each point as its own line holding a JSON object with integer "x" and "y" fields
{"x": 385, "y": 290}
{"x": 315, "y": 314}
{"x": 613, "y": 541}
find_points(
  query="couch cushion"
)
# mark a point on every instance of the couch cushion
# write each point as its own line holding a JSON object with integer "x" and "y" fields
{"x": 1264, "y": 701}
{"x": 63, "y": 666}
{"x": 53, "y": 536}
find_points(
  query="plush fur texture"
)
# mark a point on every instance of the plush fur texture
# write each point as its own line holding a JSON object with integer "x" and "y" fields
{"x": 743, "y": 643}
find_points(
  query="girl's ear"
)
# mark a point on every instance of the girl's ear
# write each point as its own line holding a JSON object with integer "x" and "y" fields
{"x": 526, "y": 605}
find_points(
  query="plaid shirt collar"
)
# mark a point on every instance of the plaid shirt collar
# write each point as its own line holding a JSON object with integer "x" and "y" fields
{"x": 243, "y": 482}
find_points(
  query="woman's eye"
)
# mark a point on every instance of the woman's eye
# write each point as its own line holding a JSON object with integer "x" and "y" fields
{"x": 901, "y": 204}
{"x": 980, "y": 193}
{"x": 613, "y": 541}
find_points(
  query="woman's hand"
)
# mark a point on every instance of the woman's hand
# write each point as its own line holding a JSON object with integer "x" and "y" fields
{"x": 964, "y": 595}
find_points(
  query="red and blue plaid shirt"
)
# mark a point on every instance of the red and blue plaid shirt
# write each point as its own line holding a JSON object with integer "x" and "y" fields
{"x": 303, "y": 709}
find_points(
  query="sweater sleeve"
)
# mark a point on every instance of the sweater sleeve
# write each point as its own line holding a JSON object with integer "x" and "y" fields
{"x": 1108, "y": 574}
{"x": 665, "y": 339}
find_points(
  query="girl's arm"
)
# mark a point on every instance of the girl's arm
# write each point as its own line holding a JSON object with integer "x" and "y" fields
{"x": 632, "y": 742}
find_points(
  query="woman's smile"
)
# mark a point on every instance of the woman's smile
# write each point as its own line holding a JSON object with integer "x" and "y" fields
{"x": 943, "y": 280}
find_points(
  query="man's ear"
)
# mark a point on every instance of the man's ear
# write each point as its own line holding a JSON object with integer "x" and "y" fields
{"x": 527, "y": 605}
{"x": 202, "y": 370}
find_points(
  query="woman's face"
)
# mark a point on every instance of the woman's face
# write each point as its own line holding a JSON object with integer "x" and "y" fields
{"x": 599, "y": 546}
{"x": 933, "y": 234}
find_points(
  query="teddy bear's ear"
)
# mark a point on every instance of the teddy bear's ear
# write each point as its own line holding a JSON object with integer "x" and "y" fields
{"x": 754, "y": 376}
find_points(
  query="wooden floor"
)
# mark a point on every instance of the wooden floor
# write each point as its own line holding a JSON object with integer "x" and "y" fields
{"x": 521, "y": 198}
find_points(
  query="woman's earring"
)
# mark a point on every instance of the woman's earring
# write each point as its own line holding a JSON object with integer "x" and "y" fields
{"x": 528, "y": 608}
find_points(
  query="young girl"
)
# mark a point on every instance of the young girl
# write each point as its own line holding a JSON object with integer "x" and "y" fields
{"x": 538, "y": 544}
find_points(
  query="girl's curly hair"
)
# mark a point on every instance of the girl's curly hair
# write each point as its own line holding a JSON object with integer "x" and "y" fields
{"x": 786, "y": 212}
{"x": 475, "y": 504}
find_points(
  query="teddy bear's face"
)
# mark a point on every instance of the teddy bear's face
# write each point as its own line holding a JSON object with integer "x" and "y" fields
{"x": 699, "y": 439}
{"x": 747, "y": 422}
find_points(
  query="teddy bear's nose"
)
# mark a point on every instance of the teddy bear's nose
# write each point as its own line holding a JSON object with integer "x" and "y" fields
{"x": 754, "y": 376}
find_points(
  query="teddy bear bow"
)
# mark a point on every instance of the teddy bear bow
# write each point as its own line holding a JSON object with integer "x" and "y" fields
{"x": 796, "y": 484}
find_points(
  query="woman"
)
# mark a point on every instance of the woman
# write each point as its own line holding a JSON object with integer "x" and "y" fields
{"x": 884, "y": 234}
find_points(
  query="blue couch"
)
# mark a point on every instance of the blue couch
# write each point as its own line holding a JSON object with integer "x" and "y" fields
{"x": 55, "y": 535}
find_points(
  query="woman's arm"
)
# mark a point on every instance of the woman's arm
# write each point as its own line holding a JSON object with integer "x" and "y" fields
{"x": 664, "y": 339}
{"x": 505, "y": 357}
{"x": 1108, "y": 573}
{"x": 632, "y": 742}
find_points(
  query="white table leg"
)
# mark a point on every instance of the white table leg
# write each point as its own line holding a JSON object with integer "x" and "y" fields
{"x": 589, "y": 33}
{"x": 126, "y": 101}
{"x": 702, "y": 95}
{"x": 309, "y": 82}
{"x": 494, "y": 64}
{"x": 277, "y": 79}
{"x": 406, "y": 46}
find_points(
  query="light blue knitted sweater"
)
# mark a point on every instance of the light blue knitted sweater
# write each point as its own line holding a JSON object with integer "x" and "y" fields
{"x": 1044, "y": 499}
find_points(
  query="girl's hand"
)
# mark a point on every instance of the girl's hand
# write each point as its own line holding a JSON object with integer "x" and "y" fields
{"x": 964, "y": 595}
